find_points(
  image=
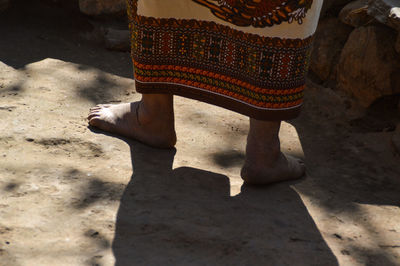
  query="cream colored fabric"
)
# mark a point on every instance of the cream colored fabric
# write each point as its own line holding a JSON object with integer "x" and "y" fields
{"x": 187, "y": 9}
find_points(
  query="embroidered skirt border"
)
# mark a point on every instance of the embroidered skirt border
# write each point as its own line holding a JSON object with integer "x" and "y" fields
{"x": 260, "y": 77}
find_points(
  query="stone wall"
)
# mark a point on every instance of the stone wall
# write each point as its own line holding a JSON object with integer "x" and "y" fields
{"x": 357, "y": 48}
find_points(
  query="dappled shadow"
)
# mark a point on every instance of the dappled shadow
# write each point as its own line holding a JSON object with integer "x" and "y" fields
{"x": 186, "y": 216}
{"x": 98, "y": 239}
{"x": 32, "y": 31}
{"x": 96, "y": 190}
{"x": 11, "y": 90}
{"x": 229, "y": 158}
{"x": 347, "y": 169}
{"x": 382, "y": 115}
{"x": 102, "y": 90}
{"x": 93, "y": 190}
{"x": 341, "y": 161}
{"x": 12, "y": 186}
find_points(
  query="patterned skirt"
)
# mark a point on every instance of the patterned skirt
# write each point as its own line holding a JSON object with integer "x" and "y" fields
{"x": 247, "y": 56}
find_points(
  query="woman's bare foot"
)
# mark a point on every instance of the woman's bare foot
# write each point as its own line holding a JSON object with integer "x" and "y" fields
{"x": 150, "y": 120}
{"x": 265, "y": 163}
{"x": 285, "y": 168}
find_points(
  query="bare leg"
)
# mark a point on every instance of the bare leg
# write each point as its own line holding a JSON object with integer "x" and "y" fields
{"x": 150, "y": 120}
{"x": 265, "y": 163}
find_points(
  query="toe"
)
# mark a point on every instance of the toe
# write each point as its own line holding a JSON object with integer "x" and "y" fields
{"x": 93, "y": 115}
{"x": 100, "y": 106}
{"x": 97, "y": 107}
{"x": 95, "y": 122}
{"x": 100, "y": 123}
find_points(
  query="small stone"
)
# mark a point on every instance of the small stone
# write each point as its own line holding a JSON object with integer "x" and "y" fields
{"x": 337, "y": 236}
{"x": 368, "y": 65}
{"x": 345, "y": 252}
{"x": 329, "y": 40}
{"x": 94, "y": 234}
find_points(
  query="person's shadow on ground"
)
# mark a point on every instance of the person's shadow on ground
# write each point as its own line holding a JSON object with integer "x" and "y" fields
{"x": 185, "y": 216}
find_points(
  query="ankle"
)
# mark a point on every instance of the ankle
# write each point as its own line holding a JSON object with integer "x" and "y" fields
{"x": 156, "y": 105}
{"x": 263, "y": 145}
{"x": 157, "y": 101}
{"x": 262, "y": 150}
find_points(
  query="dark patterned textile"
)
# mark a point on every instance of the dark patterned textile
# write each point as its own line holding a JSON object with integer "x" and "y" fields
{"x": 247, "y": 56}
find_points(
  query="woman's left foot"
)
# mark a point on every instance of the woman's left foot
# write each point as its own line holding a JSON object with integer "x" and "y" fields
{"x": 265, "y": 163}
{"x": 284, "y": 168}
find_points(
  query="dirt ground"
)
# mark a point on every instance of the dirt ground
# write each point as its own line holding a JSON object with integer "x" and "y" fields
{"x": 71, "y": 195}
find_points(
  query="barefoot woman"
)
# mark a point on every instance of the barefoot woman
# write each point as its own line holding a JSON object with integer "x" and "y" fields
{"x": 249, "y": 56}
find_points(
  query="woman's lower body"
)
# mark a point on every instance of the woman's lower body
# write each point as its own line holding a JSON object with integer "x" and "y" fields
{"x": 247, "y": 56}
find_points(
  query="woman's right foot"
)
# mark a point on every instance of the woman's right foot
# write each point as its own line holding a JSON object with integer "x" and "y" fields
{"x": 153, "y": 126}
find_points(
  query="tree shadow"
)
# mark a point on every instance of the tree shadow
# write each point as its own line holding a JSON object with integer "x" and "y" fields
{"x": 185, "y": 216}
{"x": 348, "y": 169}
{"x": 32, "y": 31}
{"x": 333, "y": 149}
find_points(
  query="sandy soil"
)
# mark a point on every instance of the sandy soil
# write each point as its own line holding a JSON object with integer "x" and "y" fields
{"x": 73, "y": 196}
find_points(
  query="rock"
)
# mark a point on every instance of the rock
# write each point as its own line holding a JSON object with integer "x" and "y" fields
{"x": 332, "y": 4}
{"x": 103, "y": 7}
{"x": 386, "y": 12}
{"x": 355, "y": 13}
{"x": 368, "y": 66}
{"x": 4, "y": 4}
{"x": 329, "y": 40}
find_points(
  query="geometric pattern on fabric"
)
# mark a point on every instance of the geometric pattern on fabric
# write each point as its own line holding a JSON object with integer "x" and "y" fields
{"x": 254, "y": 73}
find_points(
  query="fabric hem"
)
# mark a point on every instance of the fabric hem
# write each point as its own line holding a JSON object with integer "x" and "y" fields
{"x": 219, "y": 100}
